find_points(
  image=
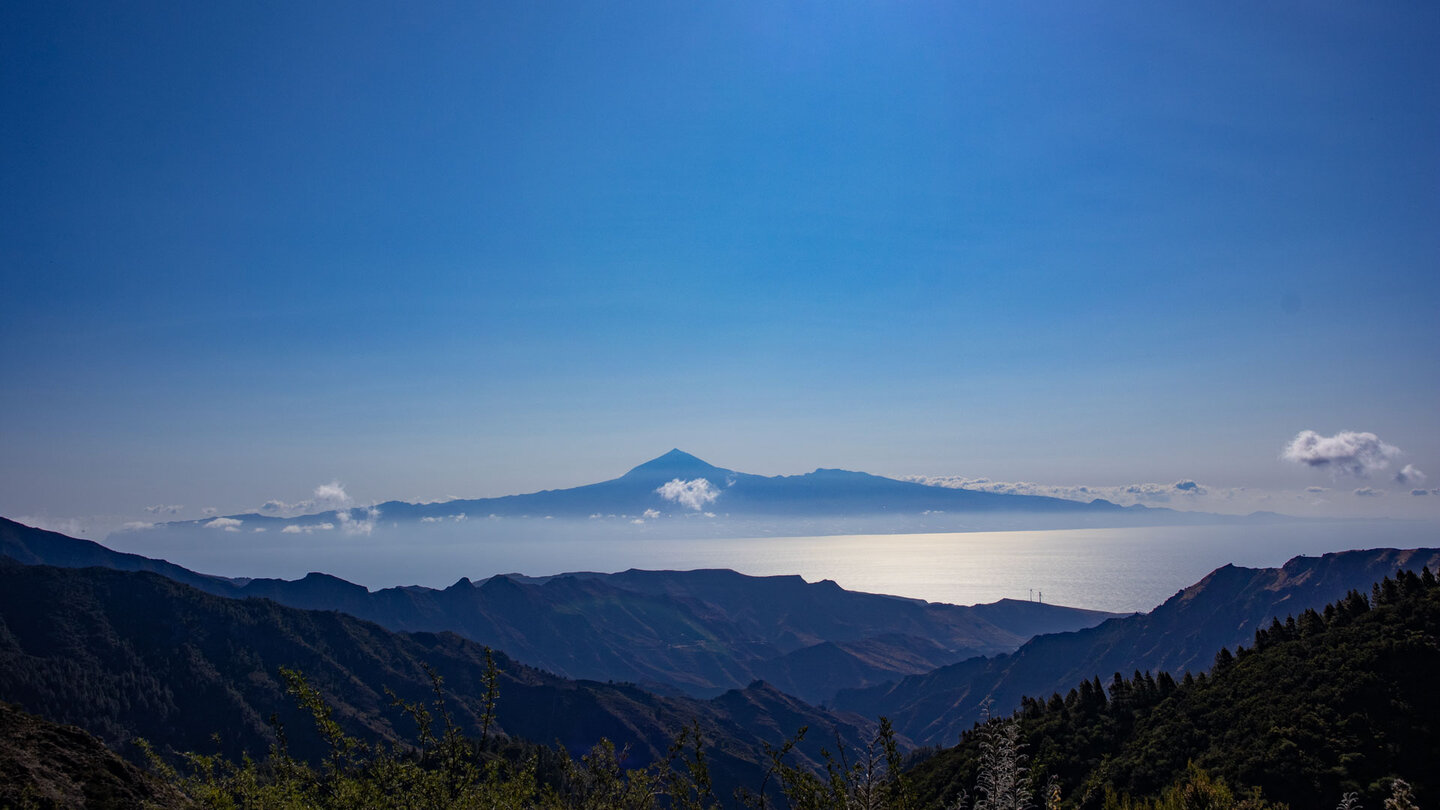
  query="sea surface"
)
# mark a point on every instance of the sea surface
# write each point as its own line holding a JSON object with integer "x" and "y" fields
{"x": 1123, "y": 570}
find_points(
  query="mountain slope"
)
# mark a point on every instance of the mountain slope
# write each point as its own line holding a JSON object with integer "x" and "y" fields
{"x": 32, "y": 546}
{"x": 127, "y": 654}
{"x": 44, "y": 764}
{"x": 1223, "y": 609}
{"x": 1339, "y": 700}
{"x": 699, "y": 632}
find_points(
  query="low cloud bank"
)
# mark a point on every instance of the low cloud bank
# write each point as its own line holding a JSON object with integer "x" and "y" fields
{"x": 1183, "y": 490}
{"x": 310, "y": 528}
{"x": 457, "y": 518}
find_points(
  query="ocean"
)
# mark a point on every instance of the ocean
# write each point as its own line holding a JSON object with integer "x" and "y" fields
{"x": 1122, "y": 570}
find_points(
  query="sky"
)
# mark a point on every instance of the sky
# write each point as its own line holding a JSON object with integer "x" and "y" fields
{"x": 473, "y": 249}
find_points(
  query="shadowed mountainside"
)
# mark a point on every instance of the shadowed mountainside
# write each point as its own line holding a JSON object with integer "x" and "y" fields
{"x": 1222, "y": 610}
{"x": 132, "y": 654}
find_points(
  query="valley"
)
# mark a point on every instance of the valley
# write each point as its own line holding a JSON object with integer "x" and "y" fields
{"x": 129, "y": 647}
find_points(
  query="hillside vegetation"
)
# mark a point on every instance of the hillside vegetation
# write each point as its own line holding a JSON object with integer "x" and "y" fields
{"x": 45, "y": 765}
{"x": 1329, "y": 702}
{"x": 1222, "y": 610}
{"x": 132, "y": 654}
{"x": 1330, "y": 709}
{"x": 1334, "y": 705}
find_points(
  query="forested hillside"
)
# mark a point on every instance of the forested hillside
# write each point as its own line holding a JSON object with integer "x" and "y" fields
{"x": 1331, "y": 709}
{"x": 126, "y": 655}
{"x": 1336, "y": 700}
{"x": 1223, "y": 609}
{"x": 1325, "y": 703}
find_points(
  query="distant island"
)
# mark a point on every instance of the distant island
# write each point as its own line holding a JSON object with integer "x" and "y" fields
{"x": 678, "y": 485}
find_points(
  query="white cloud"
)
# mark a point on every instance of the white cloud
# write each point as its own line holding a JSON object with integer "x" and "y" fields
{"x": 331, "y": 495}
{"x": 350, "y": 525}
{"x": 326, "y": 497}
{"x": 137, "y": 525}
{"x": 225, "y": 523}
{"x": 164, "y": 509}
{"x": 691, "y": 494}
{"x": 1345, "y": 453}
{"x": 638, "y": 522}
{"x": 1410, "y": 475}
{"x": 258, "y": 529}
{"x": 651, "y": 514}
{"x": 1368, "y": 492}
{"x": 291, "y": 529}
{"x": 431, "y": 519}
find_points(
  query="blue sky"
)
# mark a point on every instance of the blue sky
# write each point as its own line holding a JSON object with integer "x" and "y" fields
{"x": 478, "y": 249}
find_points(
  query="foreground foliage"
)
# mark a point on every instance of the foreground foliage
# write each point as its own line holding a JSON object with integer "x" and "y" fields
{"x": 444, "y": 770}
{"x": 447, "y": 770}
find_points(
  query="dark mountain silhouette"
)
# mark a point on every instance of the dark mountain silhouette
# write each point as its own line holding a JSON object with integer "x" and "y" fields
{"x": 1222, "y": 610}
{"x": 695, "y": 632}
{"x": 825, "y": 494}
{"x": 33, "y": 546}
{"x": 133, "y": 654}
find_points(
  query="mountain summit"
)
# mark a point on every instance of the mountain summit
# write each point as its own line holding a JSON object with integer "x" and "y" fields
{"x": 678, "y": 464}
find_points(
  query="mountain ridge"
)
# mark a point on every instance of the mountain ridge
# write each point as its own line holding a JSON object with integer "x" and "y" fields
{"x": 126, "y": 654}
{"x": 1223, "y": 609}
{"x": 1338, "y": 700}
{"x": 692, "y": 632}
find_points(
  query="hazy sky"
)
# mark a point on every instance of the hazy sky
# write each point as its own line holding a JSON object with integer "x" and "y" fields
{"x": 485, "y": 248}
